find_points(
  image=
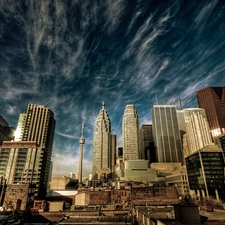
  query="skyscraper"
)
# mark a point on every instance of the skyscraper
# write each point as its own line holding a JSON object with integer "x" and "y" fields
{"x": 101, "y": 162}
{"x": 197, "y": 128}
{"x": 24, "y": 162}
{"x": 130, "y": 134}
{"x": 147, "y": 148}
{"x": 212, "y": 99}
{"x": 205, "y": 169}
{"x": 6, "y": 132}
{"x": 166, "y": 134}
{"x": 38, "y": 124}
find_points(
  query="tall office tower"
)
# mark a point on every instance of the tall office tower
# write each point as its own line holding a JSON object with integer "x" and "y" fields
{"x": 38, "y": 124}
{"x": 130, "y": 134}
{"x": 102, "y": 151}
{"x": 81, "y": 141}
{"x": 166, "y": 134}
{"x": 212, "y": 99}
{"x": 147, "y": 148}
{"x": 206, "y": 176}
{"x": 6, "y": 132}
{"x": 24, "y": 162}
{"x": 113, "y": 157}
{"x": 197, "y": 128}
{"x": 181, "y": 122}
{"x": 20, "y": 127}
{"x": 120, "y": 152}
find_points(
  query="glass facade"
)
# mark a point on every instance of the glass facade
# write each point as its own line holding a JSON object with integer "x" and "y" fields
{"x": 212, "y": 99}
{"x": 205, "y": 171}
{"x": 166, "y": 133}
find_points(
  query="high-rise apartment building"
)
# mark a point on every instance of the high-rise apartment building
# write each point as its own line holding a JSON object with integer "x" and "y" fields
{"x": 6, "y": 132}
{"x": 24, "y": 162}
{"x": 147, "y": 149}
{"x": 130, "y": 133}
{"x": 38, "y": 124}
{"x": 197, "y": 128}
{"x": 212, "y": 99}
{"x": 166, "y": 134}
{"x": 102, "y": 148}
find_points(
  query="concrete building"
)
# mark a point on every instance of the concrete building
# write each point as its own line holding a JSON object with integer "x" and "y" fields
{"x": 130, "y": 134}
{"x": 6, "y": 132}
{"x": 166, "y": 133}
{"x": 38, "y": 124}
{"x": 205, "y": 169}
{"x": 102, "y": 147}
{"x": 179, "y": 178}
{"x": 135, "y": 170}
{"x": 23, "y": 162}
{"x": 212, "y": 99}
{"x": 147, "y": 148}
{"x": 63, "y": 183}
{"x": 197, "y": 128}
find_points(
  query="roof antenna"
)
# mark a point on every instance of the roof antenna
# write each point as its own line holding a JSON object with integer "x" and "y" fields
{"x": 181, "y": 107}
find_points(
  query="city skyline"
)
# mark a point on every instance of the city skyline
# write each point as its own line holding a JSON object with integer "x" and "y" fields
{"x": 71, "y": 57}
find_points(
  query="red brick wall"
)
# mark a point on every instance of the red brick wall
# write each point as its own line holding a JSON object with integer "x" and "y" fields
{"x": 99, "y": 197}
{"x": 156, "y": 195}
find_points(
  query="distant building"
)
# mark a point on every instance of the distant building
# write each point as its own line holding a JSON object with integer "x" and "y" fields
{"x": 212, "y": 99}
{"x": 120, "y": 152}
{"x": 38, "y": 124}
{"x": 181, "y": 124}
{"x": 166, "y": 133}
{"x": 130, "y": 134}
{"x": 6, "y": 132}
{"x": 113, "y": 157}
{"x": 102, "y": 146}
{"x": 63, "y": 183}
{"x": 205, "y": 169}
{"x": 197, "y": 128}
{"x": 147, "y": 148}
{"x": 23, "y": 162}
{"x": 135, "y": 170}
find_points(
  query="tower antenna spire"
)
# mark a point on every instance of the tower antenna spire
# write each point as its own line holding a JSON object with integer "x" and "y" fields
{"x": 81, "y": 141}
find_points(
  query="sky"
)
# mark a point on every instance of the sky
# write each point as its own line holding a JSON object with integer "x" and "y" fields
{"x": 71, "y": 55}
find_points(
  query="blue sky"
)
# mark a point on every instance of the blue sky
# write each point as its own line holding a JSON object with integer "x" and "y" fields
{"x": 72, "y": 55}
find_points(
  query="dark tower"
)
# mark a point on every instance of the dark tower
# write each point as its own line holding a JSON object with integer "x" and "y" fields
{"x": 212, "y": 99}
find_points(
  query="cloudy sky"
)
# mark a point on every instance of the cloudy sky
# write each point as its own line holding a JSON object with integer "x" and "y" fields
{"x": 70, "y": 55}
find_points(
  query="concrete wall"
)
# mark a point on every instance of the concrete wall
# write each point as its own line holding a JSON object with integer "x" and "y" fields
{"x": 56, "y": 206}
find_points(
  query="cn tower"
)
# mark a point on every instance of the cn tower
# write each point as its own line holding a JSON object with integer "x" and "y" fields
{"x": 81, "y": 141}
